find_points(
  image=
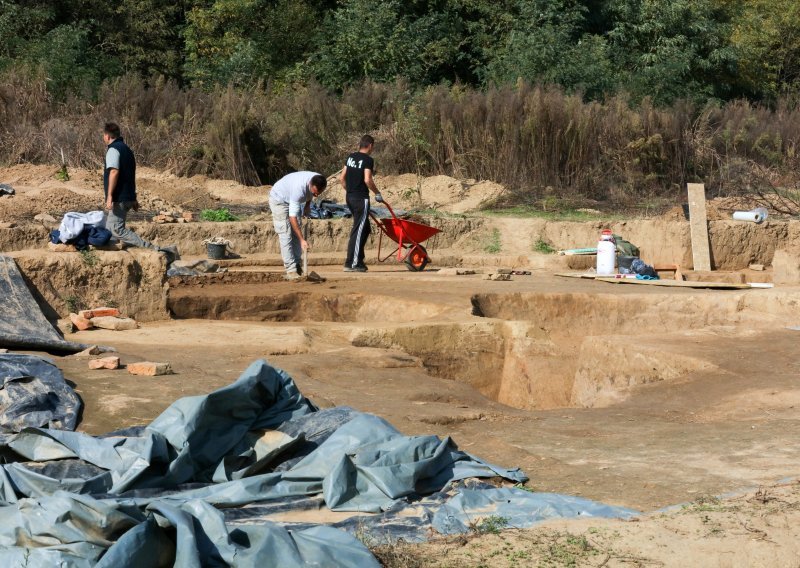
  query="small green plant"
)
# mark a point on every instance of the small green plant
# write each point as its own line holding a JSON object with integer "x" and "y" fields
{"x": 492, "y": 245}
{"x": 568, "y": 550}
{"x": 217, "y": 215}
{"x": 90, "y": 257}
{"x": 62, "y": 174}
{"x": 411, "y": 194}
{"x": 73, "y": 303}
{"x": 543, "y": 247}
{"x": 492, "y": 525}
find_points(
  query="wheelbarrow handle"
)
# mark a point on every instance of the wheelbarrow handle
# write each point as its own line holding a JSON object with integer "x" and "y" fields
{"x": 389, "y": 207}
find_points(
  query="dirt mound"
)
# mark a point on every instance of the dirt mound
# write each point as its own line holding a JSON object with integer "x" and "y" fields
{"x": 165, "y": 191}
{"x": 444, "y": 193}
{"x": 55, "y": 202}
{"x": 233, "y": 192}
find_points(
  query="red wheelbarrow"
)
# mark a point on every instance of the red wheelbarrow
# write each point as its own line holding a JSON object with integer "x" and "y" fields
{"x": 408, "y": 235}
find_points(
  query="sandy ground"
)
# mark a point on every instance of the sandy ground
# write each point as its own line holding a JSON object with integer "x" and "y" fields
{"x": 700, "y": 434}
{"x": 634, "y": 396}
{"x": 756, "y": 528}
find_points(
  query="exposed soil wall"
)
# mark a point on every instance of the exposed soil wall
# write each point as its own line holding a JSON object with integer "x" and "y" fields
{"x": 63, "y": 282}
{"x": 254, "y": 237}
{"x": 23, "y": 237}
{"x": 631, "y": 313}
{"x": 734, "y": 245}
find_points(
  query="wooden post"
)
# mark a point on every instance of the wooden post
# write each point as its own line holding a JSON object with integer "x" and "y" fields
{"x": 698, "y": 223}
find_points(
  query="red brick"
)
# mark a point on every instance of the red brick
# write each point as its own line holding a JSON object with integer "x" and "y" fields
{"x": 104, "y": 363}
{"x": 149, "y": 369}
{"x": 99, "y": 313}
{"x": 80, "y": 322}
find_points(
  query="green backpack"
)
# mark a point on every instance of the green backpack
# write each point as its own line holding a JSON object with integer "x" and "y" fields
{"x": 626, "y": 248}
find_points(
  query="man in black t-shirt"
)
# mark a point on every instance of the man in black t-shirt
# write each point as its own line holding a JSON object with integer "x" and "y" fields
{"x": 356, "y": 177}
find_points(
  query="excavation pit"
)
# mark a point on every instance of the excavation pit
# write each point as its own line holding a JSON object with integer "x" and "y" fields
{"x": 527, "y": 350}
{"x": 589, "y": 387}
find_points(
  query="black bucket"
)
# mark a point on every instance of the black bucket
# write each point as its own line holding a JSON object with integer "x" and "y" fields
{"x": 215, "y": 252}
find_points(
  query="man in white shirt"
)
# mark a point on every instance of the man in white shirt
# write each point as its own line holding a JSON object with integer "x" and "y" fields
{"x": 289, "y": 199}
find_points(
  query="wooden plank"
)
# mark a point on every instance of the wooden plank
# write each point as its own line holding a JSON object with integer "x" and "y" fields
{"x": 677, "y": 284}
{"x": 698, "y": 224}
{"x": 590, "y": 276}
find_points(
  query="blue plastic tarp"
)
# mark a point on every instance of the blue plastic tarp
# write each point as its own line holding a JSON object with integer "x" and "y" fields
{"x": 197, "y": 486}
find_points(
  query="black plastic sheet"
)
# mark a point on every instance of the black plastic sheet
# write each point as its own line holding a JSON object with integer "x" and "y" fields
{"x": 22, "y": 323}
{"x": 33, "y": 393}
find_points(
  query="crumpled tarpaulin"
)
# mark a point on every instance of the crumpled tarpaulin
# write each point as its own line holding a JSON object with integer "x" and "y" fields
{"x": 192, "y": 488}
{"x": 33, "y": 393}
{"x": 327, "y": 209}
{"x": 23, "y": 325}
{"x": 157, "y": 493}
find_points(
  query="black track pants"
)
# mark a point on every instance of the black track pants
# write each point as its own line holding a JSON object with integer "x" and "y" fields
{"x": 359, "y": 207}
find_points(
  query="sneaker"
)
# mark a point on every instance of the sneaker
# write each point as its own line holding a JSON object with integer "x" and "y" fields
{"x": 291, "y": 276}
{"x": 359, "y": 268}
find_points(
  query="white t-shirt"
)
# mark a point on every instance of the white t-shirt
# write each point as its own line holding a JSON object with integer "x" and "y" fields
{"x": 293, "y": 189}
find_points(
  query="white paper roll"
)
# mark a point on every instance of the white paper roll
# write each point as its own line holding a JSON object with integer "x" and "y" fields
{"x": 754, "y": 216}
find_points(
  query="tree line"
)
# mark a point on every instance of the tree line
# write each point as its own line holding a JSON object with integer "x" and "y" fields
{"x": 662, "y": 50}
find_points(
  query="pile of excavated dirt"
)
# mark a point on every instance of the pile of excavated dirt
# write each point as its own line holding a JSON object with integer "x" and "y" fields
{"x": 444, "y": 193}
{"x": 38, "y": 190}
{"x": 55, "y": 202}
{"x": 166, "y": 191}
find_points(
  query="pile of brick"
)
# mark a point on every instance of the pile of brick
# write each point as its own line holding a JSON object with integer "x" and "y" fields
{"x": 173, "y": 217}
{"x": 101, "y": 318}
{"x": 143, "y": 368}
{"x": 112, "y": 362}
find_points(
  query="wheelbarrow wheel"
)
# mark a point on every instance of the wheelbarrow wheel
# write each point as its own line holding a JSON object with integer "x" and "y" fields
{"x": 417, "y": 258}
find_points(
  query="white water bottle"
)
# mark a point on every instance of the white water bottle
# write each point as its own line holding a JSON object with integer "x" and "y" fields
{"x": 606, "y": 254}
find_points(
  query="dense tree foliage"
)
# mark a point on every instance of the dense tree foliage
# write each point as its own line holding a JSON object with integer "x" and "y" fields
{"x": 658, "y": 49}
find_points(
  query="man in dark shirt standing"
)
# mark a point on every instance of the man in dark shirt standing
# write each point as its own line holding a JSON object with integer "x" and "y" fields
{"x": 119, "y": 184}
{"x": 356, "y": 177}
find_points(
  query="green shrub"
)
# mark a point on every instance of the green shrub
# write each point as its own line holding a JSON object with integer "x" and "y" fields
{"x": 543, "y": 247}
{"x": 217, "y": 215}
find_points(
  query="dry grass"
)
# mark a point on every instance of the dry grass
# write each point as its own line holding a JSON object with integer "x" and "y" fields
{"x": 538, "y": 141}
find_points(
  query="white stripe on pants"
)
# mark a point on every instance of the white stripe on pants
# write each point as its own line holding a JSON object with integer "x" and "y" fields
{"x": 364, "y": 220}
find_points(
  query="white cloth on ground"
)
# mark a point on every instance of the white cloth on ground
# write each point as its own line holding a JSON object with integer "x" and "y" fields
{"x": 293, "y": 190}
{"x": 73, "y": 223}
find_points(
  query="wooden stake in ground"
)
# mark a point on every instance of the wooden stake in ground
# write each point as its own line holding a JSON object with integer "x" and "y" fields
{"x": 698, "y": 224}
